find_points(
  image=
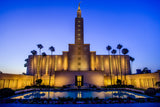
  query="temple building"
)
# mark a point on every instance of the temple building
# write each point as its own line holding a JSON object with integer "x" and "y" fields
{"x": 79, "y": 66}
{"x": 79, "y": 63}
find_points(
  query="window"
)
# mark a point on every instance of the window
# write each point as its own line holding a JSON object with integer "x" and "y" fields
{"x": 79, "y": 38}
{"x": 79, "y": 29}
{"x": 79, "y": 63}
{"x": 79, "y": 21}
{"x": 79, "y": 25}
{"x": 78, "y": 34}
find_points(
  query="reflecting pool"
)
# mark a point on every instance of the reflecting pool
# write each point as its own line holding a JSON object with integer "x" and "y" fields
{"x": 78, "y": 94}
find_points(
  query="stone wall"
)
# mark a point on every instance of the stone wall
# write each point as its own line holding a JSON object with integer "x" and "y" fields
{"x": 16, "y": 81}
{"x": 143, "y": 80}
{"x": 138, "y": 80}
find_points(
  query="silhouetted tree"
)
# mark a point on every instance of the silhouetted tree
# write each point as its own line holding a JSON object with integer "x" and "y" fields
{"x": 23, "y": 73}
{"x": 52, "y": 49}
{"x": 40, "y": 46}
{"x": 131, "y": 59}
{"x": 34, "y": 52}
{"x": 44, "y": 57}
{"x": 119, "y": 82}
{"x": 125, "y": 51}
{"x": 145, "y": 70}
{"x": 25, "y": 65}
{"x": 119, "y": 47}
{"x": 114, "y": 52}
{"x": 38, "y": 82}
{"x": 108, "y": 48}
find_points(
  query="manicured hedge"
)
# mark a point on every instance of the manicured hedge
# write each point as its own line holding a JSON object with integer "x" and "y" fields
{"x": 6, "y": 92}
{"x": 150, "y": 91}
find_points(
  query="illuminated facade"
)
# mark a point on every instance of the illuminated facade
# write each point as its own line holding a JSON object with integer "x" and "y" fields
{"x": 78, "y": 66}
{"x": 79, "y": 62}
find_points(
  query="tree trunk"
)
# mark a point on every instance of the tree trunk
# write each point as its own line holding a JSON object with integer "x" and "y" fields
{"x": 33, "y": 69}
{"x": 110, "y": 69}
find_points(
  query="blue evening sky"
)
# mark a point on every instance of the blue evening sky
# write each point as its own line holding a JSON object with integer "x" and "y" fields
{"x": 25, "y": 23}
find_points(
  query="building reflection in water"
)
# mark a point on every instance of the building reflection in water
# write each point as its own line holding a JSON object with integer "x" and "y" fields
{"x": 79, "y": 94}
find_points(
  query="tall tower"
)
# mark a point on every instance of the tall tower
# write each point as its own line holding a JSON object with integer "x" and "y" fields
{"x": 79, "y": 53}
{"x": 79, "y": 27}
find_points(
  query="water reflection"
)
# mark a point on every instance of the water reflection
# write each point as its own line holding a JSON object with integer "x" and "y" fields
{"x": 78, "y": 94}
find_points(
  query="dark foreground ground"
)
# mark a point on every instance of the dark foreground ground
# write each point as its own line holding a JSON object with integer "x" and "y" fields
{"x": 83, "y": 105}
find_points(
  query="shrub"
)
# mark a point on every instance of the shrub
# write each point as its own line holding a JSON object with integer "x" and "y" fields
{"x": 64, "y": 86}
{"x": 94, "y": 86}
{"x": 150, "y": 91}
{"x": 27, "y": 87}
{"x": 158, "y": 84}
{"x": 119, "y": 82}
{"x": 38, "y": 82}
{"x": 158, "y": 90}
{"x": 130, "y": 86}
{"x": 6, "y": 92}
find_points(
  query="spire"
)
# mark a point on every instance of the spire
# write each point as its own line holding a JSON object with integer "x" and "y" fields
{"x": 79, "y": 11}
{"x": 79, "y": 7}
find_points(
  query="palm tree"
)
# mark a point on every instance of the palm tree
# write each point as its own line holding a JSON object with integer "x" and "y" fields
{"x": 119, "y": 47}
{"x": 131, "y": 59}
{"x": 25, "y": 65}
{"x": 125, "y": 51}
{"x": 44, "y": 56}
{"x": 114, "y": 52}
{"x": 40, "y": 46}
{"x": 52, "y": 49}
{"x": 108, "y": 48}
{"x": 33, "y": 53}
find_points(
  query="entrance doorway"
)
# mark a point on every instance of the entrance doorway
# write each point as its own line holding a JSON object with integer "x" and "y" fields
{"x": 79, "y": 80}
